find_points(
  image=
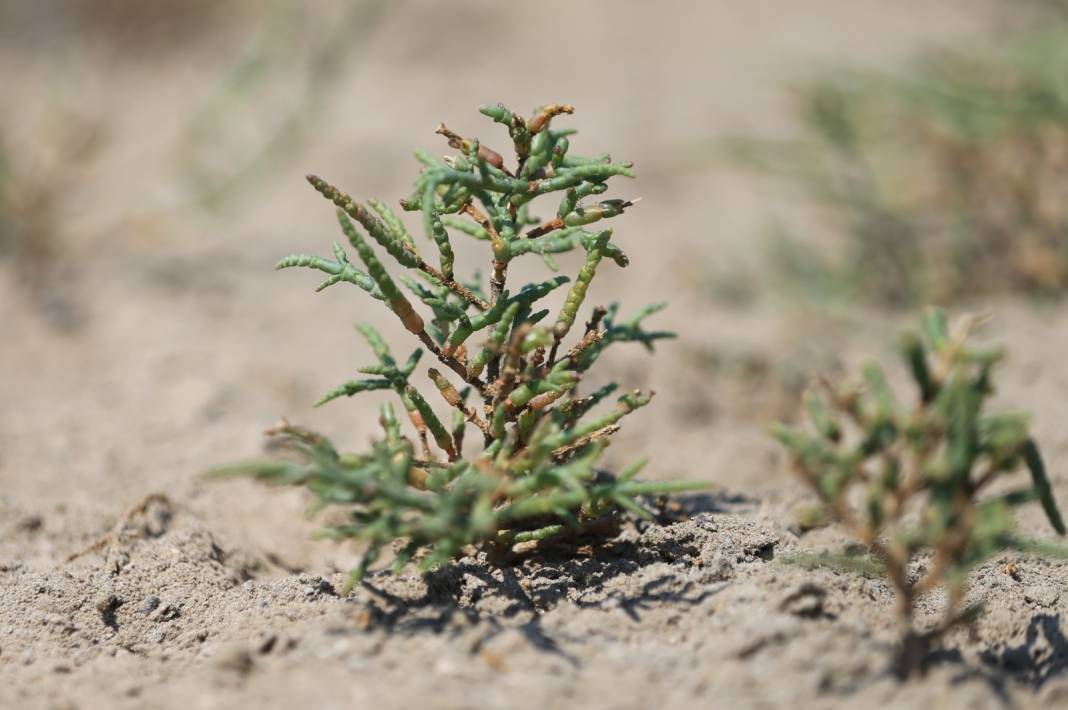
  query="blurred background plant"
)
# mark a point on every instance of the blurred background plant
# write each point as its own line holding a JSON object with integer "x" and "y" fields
{"x": 270, "y": 99}
{"x": 37, "y": 174}
{"x": 910, "y": 481}
{"x": 282, "y": 62}
{"x": 942, "y": 182}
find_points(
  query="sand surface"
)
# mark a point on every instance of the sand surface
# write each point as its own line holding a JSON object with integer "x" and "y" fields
{"x": 156, "y": 342}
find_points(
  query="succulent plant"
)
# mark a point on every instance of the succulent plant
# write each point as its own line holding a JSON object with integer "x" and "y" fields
{"x": 508, "y": 370}
{"x": 913, "y": 482}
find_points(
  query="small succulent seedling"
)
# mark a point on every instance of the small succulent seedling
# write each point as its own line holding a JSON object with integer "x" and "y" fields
{"x": 505, "y": 366}
{"x": 913, "y": 482}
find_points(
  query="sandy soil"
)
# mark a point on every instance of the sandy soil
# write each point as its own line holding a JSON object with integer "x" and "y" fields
{"x": 159, "y": 342}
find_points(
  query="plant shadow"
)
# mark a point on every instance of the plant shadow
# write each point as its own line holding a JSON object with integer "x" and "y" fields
{"x": 491, "y": 597}
{"x": 1039, "y": 658}
{"x": 684, "y": 506}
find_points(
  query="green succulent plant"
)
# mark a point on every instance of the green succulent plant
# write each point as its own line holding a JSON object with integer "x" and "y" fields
{"x": 505, "y": 368}
{"x": 912, "y": 482}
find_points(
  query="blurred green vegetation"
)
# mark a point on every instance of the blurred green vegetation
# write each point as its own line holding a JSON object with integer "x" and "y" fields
{"x": 272, "y": 97}
{"x": 36, "y": 176}
{"x": 943, "y": 182}
{"x": 268, "y": 96}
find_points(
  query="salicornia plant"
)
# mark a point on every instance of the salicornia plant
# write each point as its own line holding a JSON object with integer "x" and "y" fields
{"x": 506, "y": 368}
{"x": 913, "y": 482}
